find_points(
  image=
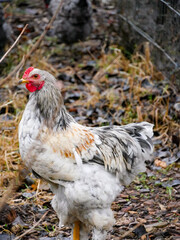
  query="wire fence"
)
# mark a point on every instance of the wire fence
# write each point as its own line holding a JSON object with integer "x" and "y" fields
{"x": 156, "y": 21}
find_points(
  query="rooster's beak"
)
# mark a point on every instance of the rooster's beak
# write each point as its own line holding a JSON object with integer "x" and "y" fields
{"x": 23, "y": 81}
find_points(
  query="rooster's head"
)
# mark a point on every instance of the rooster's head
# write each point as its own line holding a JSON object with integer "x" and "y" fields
{"x": 35, "y": 79}
{"x": 46, "y": 92}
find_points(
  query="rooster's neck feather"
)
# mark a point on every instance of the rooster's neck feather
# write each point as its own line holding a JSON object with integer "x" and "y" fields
{"x": 48, "y": 104}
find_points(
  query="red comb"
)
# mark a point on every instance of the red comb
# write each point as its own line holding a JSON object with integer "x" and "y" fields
{"x": 26, "y": 73}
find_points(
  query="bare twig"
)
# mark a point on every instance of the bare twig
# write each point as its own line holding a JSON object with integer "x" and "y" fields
{"x": 34, "y": 47}
{"x": 29, "y": 230}
{"x": 131, "y": 230}
{"x": 3, "y": 57}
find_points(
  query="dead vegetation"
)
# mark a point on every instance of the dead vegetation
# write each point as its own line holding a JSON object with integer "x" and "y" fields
{"x": 100, "y": 88}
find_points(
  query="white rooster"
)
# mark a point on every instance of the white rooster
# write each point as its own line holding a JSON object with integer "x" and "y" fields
{"x": 85, "y": 166}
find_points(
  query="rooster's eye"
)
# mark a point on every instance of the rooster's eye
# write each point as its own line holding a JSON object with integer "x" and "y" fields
{"x": 35, "y": 76}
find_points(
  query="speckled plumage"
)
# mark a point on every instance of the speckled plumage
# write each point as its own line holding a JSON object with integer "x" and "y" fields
{"x": 86, "y": 167}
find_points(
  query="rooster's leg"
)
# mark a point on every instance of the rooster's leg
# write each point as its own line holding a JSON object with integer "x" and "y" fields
{"x": 76, "y": 232}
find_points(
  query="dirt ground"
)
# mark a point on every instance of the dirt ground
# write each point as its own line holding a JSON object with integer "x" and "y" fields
{"x": 102, "y": 84}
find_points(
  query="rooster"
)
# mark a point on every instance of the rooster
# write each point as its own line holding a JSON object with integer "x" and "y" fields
{"x": 86, "y": 167}
{"x": 74, "y": 21}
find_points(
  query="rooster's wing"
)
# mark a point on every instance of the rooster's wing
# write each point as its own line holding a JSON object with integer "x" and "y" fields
{"x": 122, "y": 150}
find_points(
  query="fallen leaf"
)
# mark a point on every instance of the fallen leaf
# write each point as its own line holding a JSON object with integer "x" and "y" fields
{"x": 149, "y": 202}
{"x": 126, "y": 209}
{"x": 159, "y": 163}
{"x": 162, "y": 207}
{"x": 143, "y": 237}
{"x": 132, "y": 212}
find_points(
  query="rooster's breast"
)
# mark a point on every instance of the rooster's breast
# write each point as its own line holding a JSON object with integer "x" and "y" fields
{"x": 28, "y": 131}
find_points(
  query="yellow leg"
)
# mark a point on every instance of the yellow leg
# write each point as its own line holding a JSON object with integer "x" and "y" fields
{"x": 76, "y": 232}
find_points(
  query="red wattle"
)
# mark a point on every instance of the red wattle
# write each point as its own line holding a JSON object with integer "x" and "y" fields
{"x": 33, "y": 88}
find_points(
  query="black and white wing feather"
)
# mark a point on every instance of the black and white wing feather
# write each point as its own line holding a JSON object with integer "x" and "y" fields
{"x": 122, "y": 149}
